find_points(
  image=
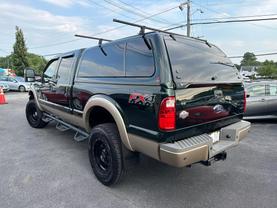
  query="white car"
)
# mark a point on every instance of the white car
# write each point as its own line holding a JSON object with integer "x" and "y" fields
{"x": 15, "y": 83}
{"x": 5, "y": 87}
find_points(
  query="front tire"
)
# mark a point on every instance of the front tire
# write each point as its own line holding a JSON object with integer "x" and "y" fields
{"x": 34, "y": 115}
{"x": 105, "y": 153}
{"x": 21, "y": 88}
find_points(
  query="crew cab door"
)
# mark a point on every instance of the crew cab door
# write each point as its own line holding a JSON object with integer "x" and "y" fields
{"x": 61, "y": 89}
{"x": 57, "y": 81}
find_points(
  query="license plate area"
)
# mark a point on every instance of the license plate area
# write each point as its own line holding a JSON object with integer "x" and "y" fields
{"x": 215, "y": 136}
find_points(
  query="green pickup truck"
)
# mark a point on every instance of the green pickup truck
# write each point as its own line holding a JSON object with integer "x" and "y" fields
{"x": 173, "y": 98}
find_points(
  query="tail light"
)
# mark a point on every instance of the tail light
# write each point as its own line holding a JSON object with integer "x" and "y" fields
{"x": 167, "y": 114}
{"x": 244, "y": 102}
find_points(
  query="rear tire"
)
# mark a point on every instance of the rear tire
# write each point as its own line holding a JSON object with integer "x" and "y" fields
{"x": 34, "y": 115}
{"x": 105, "y": 153}
{"x": 21, "y": 88}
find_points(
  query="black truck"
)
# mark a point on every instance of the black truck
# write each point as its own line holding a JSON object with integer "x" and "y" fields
{"x": 177, "y": 99}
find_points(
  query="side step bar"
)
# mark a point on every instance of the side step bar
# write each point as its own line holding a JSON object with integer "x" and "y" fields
{"x": 63, "y": 126}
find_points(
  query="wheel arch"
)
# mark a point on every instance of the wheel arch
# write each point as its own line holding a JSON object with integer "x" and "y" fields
{"x": 112, "y": 107}
{"x": 33, "y": 96}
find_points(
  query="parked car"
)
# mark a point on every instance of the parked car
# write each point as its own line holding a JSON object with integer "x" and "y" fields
{"x": 176, "y": 99}
{"x": 5, "y": 87}
{"x": 15, "y": 83}
{"x": 261, "y": 99}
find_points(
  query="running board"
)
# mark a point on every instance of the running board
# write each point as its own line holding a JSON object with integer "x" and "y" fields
{"x": 79, "y": 136}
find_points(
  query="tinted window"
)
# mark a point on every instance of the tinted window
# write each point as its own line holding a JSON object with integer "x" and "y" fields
{"x": 272, "y": 90}
{"x": 64, "y": 70}
{"x": 11, "y": 79}
{"x": 256, "y": 90}
{"x": 194, "y": 61}
{"x": 95, "y": 63}
{"x": 50, "y": 71}
{"x": 3, "y": 78}
{"x": 139, "y": 59}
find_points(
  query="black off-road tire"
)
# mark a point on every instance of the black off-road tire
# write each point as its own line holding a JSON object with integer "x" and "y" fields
{"x": 105, "y": 153}
{"x": 34, "y": 115}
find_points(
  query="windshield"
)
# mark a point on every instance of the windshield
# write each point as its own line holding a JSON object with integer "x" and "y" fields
{"x": 19, "y": 79}
{"x": 194, "y": 61}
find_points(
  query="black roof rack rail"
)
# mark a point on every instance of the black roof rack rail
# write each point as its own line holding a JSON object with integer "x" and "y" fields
{"x": 143, "y": 27}
{"x": 100, "y": 40}
{"x": 91, "y": 37}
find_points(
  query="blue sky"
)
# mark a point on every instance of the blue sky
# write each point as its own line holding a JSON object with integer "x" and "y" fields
{"x": 48, "y": 23}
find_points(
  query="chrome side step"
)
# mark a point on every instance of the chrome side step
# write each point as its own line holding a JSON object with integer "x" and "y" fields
{"x": 79, "y": 136}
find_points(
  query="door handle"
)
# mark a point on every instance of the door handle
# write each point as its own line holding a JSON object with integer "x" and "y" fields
{"x": 263, "y": 100}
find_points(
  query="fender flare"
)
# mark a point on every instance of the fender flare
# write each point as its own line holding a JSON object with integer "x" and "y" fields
{"x": 33, "y": 90}
{"x": 111, "y": 106}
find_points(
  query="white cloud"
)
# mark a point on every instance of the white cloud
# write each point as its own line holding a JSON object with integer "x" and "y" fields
{"x": 67, "y": 3}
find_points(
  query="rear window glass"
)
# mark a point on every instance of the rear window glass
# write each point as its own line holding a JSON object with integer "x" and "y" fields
{"x": 193, "y": 61}
{"x": 95, "y": 63}
{"x": 139, "y": 59}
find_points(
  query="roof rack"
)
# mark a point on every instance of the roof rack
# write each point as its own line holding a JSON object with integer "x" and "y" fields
{"x": 143, "y": 27}
{"x": 100, "y": 40}
{"x": 91, "y": 37}
{"x": 142, "y": 30}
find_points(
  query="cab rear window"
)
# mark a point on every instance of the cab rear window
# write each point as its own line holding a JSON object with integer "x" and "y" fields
{"x": 194, "y": 61}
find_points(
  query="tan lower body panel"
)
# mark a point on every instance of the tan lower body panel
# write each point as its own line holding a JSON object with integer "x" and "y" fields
{"x": 185, "y": 158}
{"x": 145, "y": 146}
{"x": 70, "y": 118}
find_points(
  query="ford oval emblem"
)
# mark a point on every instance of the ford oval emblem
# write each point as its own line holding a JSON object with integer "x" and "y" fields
{"x": 183, "y": 114}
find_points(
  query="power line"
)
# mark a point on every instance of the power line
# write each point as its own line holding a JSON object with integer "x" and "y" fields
{"x": 110, "y": 9}
{"x": 225, "y": 21}
{"x": 4, "y": 51}
{"x": 224, "y": 18}
{"x": 215, "y": 11}
{"x": 260, "y": 54}
{"x": 132, "y": 11}
{"x": 237, "y": 17}
{"x": 106, "y": 31}
{"x": 142, "y": 11}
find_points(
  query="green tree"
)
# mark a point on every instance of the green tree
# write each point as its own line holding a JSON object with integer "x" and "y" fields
{"x": 36, "y": 62}
{"x": 268, "y": 69}
{"x": 19, "y": 56}
{"x": 249, "y": 59}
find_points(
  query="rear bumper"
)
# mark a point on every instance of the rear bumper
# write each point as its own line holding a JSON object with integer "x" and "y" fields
{"x": 201, "y": 148}
{"x": 191, "y": 150}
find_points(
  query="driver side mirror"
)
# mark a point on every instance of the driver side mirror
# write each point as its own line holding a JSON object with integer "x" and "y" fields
{"x": 247, "y": 96}
{"x": 29, "y": 75}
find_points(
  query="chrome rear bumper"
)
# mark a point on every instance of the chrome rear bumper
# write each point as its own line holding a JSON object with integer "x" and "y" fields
{"x": 201, "y": 148}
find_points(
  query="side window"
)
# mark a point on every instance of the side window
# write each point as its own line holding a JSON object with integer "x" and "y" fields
{"x": 256, "y": 91}
{"x": 49, "y": 73}
{"x": 4, "y": 79}
{"x": 65, "y": 70}
{"x": 95, "y": 63}
{"x": 139, "y": 60}
{"x": 11, "y": 79}
{"x": 272, "y": 89}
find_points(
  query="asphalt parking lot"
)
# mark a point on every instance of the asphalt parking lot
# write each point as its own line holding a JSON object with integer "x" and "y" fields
{"x": 47, "y": 168}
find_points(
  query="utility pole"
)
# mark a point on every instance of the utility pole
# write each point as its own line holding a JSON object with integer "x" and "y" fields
{"x": 181, "y": 7}
{"x": 188, "y": 18}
